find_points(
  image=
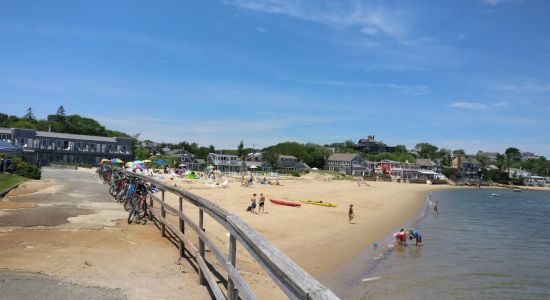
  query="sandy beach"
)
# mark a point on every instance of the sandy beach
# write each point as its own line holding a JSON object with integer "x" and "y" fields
{"x": 318, "y": 238}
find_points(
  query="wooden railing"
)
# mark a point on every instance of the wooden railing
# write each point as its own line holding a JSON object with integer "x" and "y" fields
{"x": 292, "y": 280}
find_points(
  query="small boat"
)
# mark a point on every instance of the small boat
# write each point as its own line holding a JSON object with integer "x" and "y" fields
{"x": 517, "y": 190}
{"x": 282, "y": 202}
{"x": 315, "y": 202}
{"x": 495, "y": 195}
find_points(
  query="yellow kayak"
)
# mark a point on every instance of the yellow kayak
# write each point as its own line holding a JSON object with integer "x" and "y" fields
{"x": 314, "y": 202}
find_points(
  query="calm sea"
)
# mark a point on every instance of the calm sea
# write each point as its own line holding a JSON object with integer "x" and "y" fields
{"x": 478, "y": 247}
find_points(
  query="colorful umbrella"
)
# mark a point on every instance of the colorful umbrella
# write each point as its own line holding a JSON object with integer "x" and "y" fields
{"x": 147, "y": 161}
{"x": 141, "y": 162}
{"x": 116, "y": 161}
{"x": 160, "y": 161}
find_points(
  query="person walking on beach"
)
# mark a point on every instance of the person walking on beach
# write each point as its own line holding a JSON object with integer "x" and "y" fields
{"x": 253, "y": 204}
{"x": 350, "y": 213}
{"x": 261, "y": 203}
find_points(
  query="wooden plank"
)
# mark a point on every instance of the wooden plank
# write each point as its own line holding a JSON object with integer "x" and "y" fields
{"x": 201, "y": 243}
{"x": 210, "y": 278}
{"x": 294, "y": 281}
{"x": 233, "y": 294}
{"x": 181, "y": 245}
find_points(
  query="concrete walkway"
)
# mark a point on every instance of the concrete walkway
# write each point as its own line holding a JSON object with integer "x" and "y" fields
{"x": 70, "y": 240}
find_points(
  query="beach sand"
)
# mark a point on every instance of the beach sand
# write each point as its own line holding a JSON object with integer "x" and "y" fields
{"x": 318, "y": 238}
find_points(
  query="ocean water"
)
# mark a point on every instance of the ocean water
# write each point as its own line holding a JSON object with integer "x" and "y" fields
{"x": 477, "y": 247}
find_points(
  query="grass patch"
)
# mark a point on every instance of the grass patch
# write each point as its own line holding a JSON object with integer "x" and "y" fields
{"x": 7, "y": 181}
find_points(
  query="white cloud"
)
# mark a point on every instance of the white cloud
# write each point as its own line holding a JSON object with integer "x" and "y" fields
{"x": 530, "y": 87}
{"x": 500, "y": 2}
{"x": 221, "y": 133}
{"x": 415, "y": 89}
{"x": 369, "y": 20}
{"x": 469, "y": 105}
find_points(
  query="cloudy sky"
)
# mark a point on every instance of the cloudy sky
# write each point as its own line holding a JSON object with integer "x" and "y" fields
{"x": 472, "y": 74}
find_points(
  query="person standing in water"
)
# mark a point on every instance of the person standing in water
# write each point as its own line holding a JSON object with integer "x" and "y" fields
{"x": 350, "y": 213}
{"x": 416, "y": 234}
{"x": 435, "y": 207}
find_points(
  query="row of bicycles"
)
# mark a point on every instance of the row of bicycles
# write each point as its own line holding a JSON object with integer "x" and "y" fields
{"x": 130, "y": 191}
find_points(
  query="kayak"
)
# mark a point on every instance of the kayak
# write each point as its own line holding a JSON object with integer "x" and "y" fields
{"x": 281, "y": 202}
{"x": 314, "y": 202}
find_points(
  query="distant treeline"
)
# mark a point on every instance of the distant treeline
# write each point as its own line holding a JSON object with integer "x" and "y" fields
{"x": 59, "y": 122}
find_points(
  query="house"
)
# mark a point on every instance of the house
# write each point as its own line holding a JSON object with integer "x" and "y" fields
{"x": 45, "y": 147}
{"x": 201, "y": 162}
{"x": 466, "y": 166}
{"x": 224, "y": 162}
{"x": 518, "y": 173}
{"x": 428, "y": 164}
{"x": 254, "y": 156}
{"x": 386, "y": 165}
{"x": 290, "y": 163}
{"x": 492, "y": 157}
{"x": 528, "y": 155}
{"x": 188, "y": 161}
{"x": 256, "y": 166}
{"x": 370, "y": 145}
{"x": 347, "y": 163}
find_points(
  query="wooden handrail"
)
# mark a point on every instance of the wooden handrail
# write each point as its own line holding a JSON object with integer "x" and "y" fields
{"x": 291, "y": 278}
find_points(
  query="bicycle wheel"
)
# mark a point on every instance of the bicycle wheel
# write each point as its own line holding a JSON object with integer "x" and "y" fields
{"x": 133, "y": 213}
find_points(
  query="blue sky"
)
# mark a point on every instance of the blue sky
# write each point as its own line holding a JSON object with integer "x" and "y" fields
{"x": 472, "y": 74}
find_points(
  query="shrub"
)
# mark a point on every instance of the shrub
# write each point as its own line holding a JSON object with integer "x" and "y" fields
{"x": 26, "y": 170}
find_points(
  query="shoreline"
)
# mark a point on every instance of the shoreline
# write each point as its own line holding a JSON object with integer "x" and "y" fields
{"x": 318, "y": 238}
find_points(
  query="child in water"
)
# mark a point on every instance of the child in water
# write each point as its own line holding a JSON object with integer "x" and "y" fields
{"x": 401, "y": 237}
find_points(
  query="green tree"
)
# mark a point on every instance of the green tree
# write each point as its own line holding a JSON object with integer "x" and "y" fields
{"x": 141, "y": 153}
{"x": 426, "y": 150}
{"x": 29, "y": 115}
{"x": 459, "y": 152}
{"x": 401, "y": 148}
{"x": 240, "y": 149}
{"x": 513, "y": 154}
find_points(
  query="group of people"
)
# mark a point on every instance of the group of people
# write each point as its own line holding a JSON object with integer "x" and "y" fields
{"x": 253, "y": 204}
{"x": 248, "y": 182}
{"x": 401, "y": 237}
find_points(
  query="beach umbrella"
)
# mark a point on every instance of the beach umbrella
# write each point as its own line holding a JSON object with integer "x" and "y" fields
{"x": 147, "y": 161}
{"x": 105, "y": 160}
{"x": 253, "y": 167}
{"x": 116, "y": 161}
{"x": 160, "y": 161}
{"x": 141, "y": 162}
{"x": 181, "y": 165}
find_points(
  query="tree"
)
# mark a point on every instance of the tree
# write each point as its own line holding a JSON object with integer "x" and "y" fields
{"x": 240, "y": 149}
{"x": 459, "y": 152}
{"x": 29, "y": 115}
{"x": 141, "y": 153}
{"x": 426, "y": 150}
{"x": 513, "y": 154}
{"x": 401, "y": 148}
{"x": 61, "y": 117}
{"x": 270, "y": 157}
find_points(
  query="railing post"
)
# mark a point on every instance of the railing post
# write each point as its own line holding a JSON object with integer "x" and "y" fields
{"x": 182, "y": 230}
{"x": 231, "y": 291}
{"x": 202, "y": 280}
{"x": 163, "y": 214}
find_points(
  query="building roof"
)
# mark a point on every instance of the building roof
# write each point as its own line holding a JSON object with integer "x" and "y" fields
{"x": 424, "y": 162}
{"x": 343, "y": 156}
{"x": 287, "y": 156}
{"x": 468, "y": 160}
{"x": 200, "y": 161}
{"x": 60, "y": 135}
